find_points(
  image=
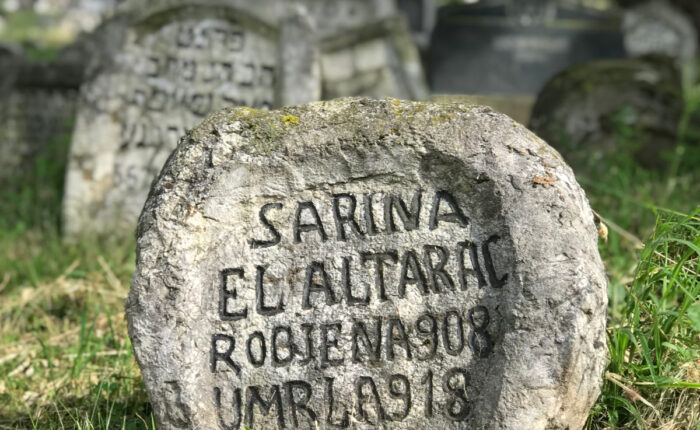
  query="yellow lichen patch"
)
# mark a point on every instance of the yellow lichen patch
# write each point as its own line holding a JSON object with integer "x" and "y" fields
{"x": 290, "y": 120}
{"x": 442, "y": 118}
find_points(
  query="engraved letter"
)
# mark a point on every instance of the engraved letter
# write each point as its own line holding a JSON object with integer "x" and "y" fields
{"x": 300, "y": 228}
{"x": 348, "y": 218}
{"x": 410, "y": 261}
{"x": 263, "y": 219}
{"x": 310, "y": 286}
{"x": 379, "y": 259}
{"x": 254, "y": 398}
{"x": 300, "y": 404}
{"x": 225, "y": 294}
{"x": 408, "y": 217}
{"x": 456, "y": 216}
{"x": 223, "y": 356}
{"x": 260, "y": 296}
{"x": 359, "y": 332}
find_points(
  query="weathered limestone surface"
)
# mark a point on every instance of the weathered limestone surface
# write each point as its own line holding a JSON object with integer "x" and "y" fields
{"x": 165, "y": 66}
{"x": 368, "y": 264}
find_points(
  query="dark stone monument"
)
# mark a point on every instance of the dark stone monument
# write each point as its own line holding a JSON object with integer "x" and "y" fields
{"x": 502, "y": 47}
{"x": 37, "y": 108}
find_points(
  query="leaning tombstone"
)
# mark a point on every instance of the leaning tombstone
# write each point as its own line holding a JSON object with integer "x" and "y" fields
{"x": 659, "y": 28}
{"x": 171, "y": 63}
{"x": 334, "y": 16}
{"x": 368, "y": 264}
{"x": 366, "y": 50}
{"x": 588, "y": 112}
{"x": 378, "y": 59}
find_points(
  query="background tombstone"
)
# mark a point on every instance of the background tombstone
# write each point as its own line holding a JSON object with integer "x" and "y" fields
{"x": 376, "y": 60}
{"x": 658, "y": 28}
{"x": 368, "y": 263}
{"x": 337, "y": 16}
{"x": 366, "y": 50}
{"x": 37, "y": 109}
{"x": 170, "y": 64}
{"x": 585, "y": 112}
{"x": 515, "y": 47}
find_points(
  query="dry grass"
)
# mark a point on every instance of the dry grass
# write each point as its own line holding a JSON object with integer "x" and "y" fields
{"x": 65, "y": 358}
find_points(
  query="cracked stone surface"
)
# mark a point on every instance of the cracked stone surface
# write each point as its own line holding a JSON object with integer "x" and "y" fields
{"x": 368, "y": 264}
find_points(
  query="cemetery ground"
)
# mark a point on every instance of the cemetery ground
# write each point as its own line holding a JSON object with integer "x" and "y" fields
{"x": 66, "y": 360}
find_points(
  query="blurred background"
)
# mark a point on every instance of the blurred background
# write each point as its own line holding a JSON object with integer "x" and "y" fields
{"x": 613, "y": 85}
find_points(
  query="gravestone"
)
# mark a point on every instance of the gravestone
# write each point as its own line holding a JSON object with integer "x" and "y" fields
{"x": 170, "y": 63}
{"x": 37, "y": 109}
{"x": 659, "y": 28}
{"x": 377, "y": 60}
{"x": 368, "y": 264}
{"x": 584, "y": 112}
{"x": 515, "y": 47}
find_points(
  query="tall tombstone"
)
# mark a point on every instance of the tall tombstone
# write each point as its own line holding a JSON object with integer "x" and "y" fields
{"x": 173, "y": 62}
{"x": 368, "y": 264}
{"x": 37, "y": 109}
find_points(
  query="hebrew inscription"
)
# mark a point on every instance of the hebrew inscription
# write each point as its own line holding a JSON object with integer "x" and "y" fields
{"x": 173, "y": 69}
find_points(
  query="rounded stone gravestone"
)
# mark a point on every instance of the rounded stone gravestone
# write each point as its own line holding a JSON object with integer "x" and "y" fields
{"x": 363, "y": 264}
{"x": 585, "y": 110}
{"x": 169, "y": 64}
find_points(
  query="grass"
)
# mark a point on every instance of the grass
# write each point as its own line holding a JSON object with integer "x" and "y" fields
{"x": 66, "y": 360}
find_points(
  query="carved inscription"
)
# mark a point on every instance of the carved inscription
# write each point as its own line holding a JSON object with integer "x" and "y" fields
{"x": 178, "y": 75}
{"x": 364, "y": 276}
